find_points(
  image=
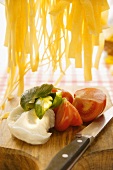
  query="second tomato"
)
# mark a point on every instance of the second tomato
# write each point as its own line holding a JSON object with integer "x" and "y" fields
{"x": 67, "y": 115}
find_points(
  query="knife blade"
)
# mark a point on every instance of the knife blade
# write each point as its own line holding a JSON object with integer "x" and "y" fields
{"x": 68, "y": 156}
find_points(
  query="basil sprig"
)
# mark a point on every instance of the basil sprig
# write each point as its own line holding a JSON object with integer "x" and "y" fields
{"x": 29, "y": 96}
{"x": 41, "y": 98}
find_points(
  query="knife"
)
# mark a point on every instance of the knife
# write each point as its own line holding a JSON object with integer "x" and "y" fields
{"x": 68, "y": 156}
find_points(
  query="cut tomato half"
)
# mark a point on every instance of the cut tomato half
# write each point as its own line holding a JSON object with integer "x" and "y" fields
{"x": 90, "y": 102}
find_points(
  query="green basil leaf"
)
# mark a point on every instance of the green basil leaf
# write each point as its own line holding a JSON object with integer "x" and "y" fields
{"x": 42, "y": 105}
{"x": 29, "y": 96}
{"x": 44, "y": 90}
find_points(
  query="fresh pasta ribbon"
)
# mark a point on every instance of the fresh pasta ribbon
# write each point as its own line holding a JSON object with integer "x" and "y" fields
{"x": 75, "y": 47}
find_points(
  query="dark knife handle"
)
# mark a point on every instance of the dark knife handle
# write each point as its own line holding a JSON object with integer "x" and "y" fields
{"x": 67, "y": 156}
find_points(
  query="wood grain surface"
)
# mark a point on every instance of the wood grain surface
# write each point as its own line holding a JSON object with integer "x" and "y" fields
{"x": 18, "y": 155}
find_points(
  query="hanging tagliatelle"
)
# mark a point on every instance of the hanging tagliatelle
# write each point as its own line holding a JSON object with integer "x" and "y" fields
{"x": 64, "y": 28}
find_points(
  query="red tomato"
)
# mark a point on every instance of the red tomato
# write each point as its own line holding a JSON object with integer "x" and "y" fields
{"x": 67, "y": 95}
{"x": 67, "y": 115}
{"x": 54, "y": 90}
{"x": 90, "y": 102}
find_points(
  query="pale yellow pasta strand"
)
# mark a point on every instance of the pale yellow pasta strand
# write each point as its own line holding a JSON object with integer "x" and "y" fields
{"x": 99, "y": 50}
{"x": 75, "y": 47}
{"x": 89, "y": 15}
{"x": 87, "y": 53}
{"x": 97, "y": 14}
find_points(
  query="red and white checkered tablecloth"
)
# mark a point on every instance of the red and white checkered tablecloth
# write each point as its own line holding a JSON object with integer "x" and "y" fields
{"x": 73, "y": 78}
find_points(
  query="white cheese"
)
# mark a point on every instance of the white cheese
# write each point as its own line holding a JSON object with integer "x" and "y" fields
{"x": 27, "y": 127}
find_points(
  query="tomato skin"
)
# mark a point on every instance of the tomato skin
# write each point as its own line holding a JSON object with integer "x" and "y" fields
{"x": 67, "y": 95}
{"x": 54, "y": 90}
{"x": 67, "y": 115}
{"x": 90, "y": 102}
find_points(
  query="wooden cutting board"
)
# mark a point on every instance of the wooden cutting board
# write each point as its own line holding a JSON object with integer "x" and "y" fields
{"x": 16, "y": 153}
